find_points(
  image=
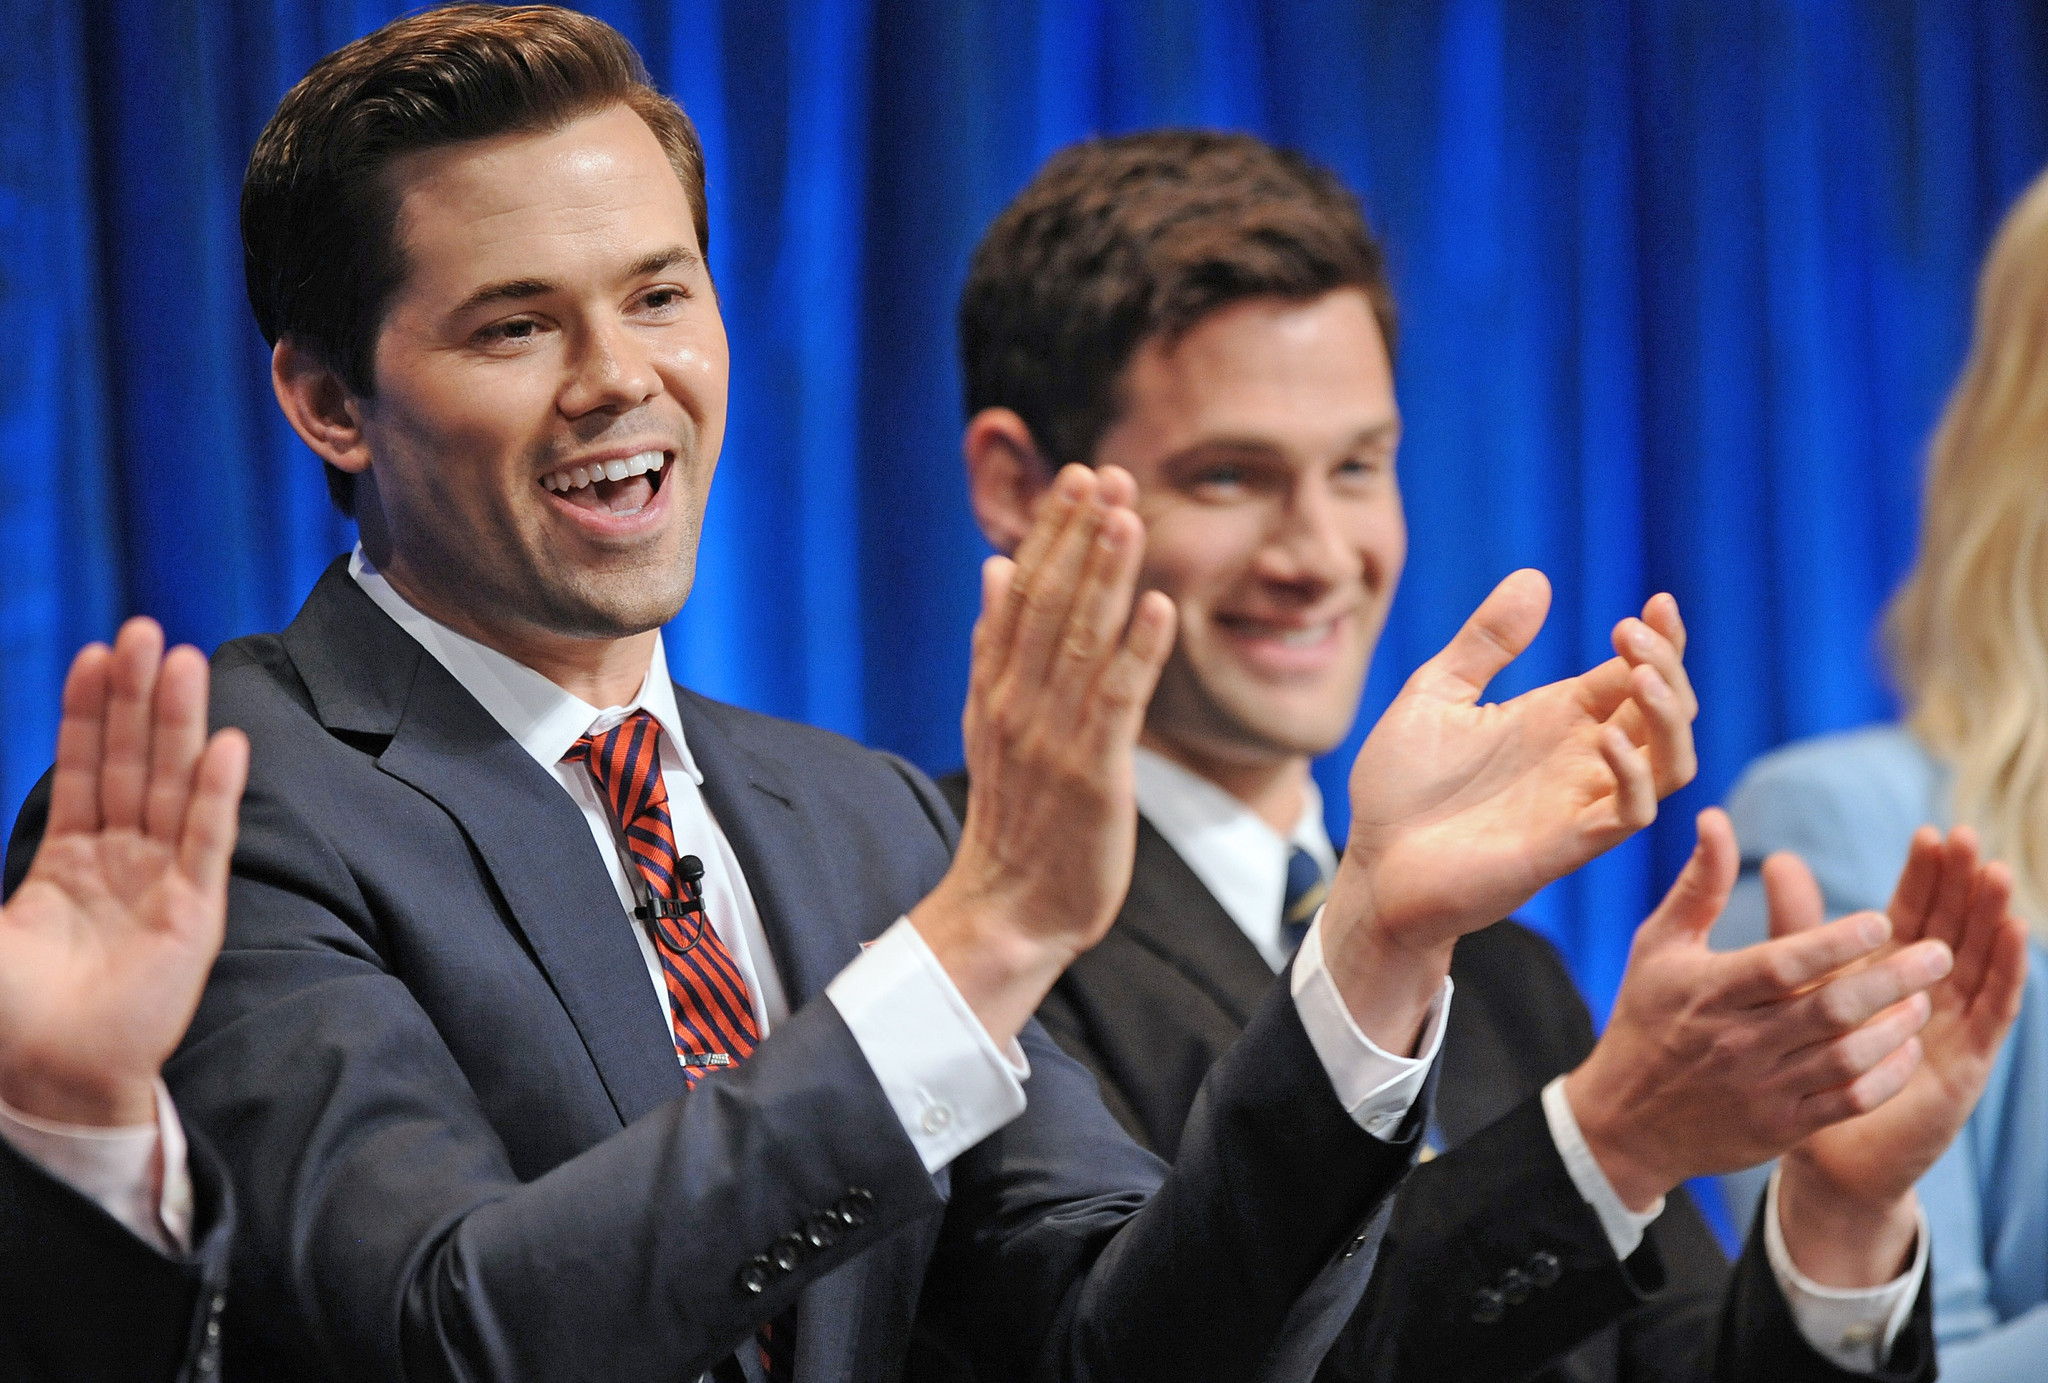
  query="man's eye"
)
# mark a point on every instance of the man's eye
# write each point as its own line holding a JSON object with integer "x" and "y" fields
{"x": 664, "y": 299}
{"x": 518, "y": 329}
{"x": 1220, "y": 477}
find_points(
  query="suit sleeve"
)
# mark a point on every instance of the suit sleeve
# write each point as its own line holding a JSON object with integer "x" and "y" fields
{"x": 86, "y": 1300}
{"x": 385, "y": 1228}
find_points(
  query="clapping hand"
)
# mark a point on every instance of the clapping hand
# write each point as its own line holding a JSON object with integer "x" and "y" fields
{"x": 106, "y": 945}
{"x": 1846, "y": 1197}
{"x": 1462, "y": 810}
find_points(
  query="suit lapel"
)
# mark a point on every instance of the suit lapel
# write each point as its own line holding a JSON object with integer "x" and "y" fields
{"x": 761, "y": 812}
{"x": 367, "y": 677}
{"x": 1171, "y": 914}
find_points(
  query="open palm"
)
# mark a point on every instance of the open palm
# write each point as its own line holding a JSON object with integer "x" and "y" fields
{"x": 106, "y": 945}
{"x": 1945, "y": 893}
{"x": 1461, "y": 811}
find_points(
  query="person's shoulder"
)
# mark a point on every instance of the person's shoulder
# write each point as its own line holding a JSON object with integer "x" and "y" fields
{"x": 1878, "y": 779}
{"x": 1848, "y": 803}
{"x": 824, "y": 761}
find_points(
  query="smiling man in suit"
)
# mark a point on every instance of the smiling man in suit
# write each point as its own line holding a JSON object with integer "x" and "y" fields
{"x": 572, "y": 1025}
{"x": 1212, "y": 316}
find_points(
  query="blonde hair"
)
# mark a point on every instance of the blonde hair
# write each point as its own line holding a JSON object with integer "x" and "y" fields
{"x": 1968, "y": 632}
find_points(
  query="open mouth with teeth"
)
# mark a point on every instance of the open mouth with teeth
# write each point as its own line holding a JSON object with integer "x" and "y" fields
{"x": 621, "y": 486}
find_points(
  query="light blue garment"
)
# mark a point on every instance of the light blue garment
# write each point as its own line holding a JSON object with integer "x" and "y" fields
{"x": 1849, "y": 804}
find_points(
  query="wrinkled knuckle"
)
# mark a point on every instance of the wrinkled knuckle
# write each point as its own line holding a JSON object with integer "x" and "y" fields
{"x": 1837, "y": 1010}
{"x": 1782, "y": 972}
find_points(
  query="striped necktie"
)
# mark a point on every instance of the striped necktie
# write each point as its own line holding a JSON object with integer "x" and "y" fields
{"x": 708, "y": 1005}
{"x": 1306, "y": 889}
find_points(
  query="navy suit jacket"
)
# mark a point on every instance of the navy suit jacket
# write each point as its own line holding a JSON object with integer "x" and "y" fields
{"x": 462, "y": 1146}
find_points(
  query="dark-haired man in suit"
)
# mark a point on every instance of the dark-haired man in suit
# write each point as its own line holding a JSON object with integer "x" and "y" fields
{"x": 1212, "y": 316}
{"x": 570, "y": 1025}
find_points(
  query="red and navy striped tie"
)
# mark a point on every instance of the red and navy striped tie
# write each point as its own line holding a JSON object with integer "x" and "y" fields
{"x": 707, "y": 997}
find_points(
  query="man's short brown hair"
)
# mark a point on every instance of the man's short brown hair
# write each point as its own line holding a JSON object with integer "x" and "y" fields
{"x": 319, "y": 247}
{"x": 1117, "y": 241}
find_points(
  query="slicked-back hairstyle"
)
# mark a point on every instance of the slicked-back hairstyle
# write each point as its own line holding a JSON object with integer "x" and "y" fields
{"x": 319, "y": 243}
{"x": 1117, "y": 241}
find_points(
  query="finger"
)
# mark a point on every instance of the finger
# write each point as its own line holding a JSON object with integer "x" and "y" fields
{"x": 1865, "y": 1093}
{"x": 206, "y": 840}
{"x": 1045, "y": 596}
{"x": 1702, "y": 887}
{"x": 1127, "y": 683}
{"x": 1055, "y": 512}
{"x": 81, "y": 740}
{"x": 1660, "y": 612}
{"x": 1913, "y": 895}
{"x": 1635, "y": 785}
{"x": 1666, "y": 731}
{"x": 989, "y": 652}
{"x": 1101, "y": 608}
{"x": 1503, "y": 625}
{"x": 1641, "y": 645}
{"x": 1792, "y": 898}
{"x": 1773, "y": 971}
{"x": 1116, "y": 486}
{"x": 1948, "y": 913}
{"x": 177, "y": 737}
{"x": 124, "y": 770}
{"x": 1996, "y": 1003}
{"x": 1989, "y": 903}
{"x": 1848, "y": 1001}
{"x": 1841, "y": 1060}
{"x": 1604, "y": 693}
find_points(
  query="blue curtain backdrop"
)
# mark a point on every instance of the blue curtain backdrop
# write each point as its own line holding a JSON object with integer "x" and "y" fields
{"x": 1683, "y": 284}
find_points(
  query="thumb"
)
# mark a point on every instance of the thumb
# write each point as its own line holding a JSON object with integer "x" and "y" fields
{"x": 1702, "y": 887}
{"x": 1504, "y": 624}
{"x": 1791, "y": 895}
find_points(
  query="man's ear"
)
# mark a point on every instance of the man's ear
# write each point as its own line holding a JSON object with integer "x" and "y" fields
{"x": 319, "y": 406}
{"x": 1006, "y": 476}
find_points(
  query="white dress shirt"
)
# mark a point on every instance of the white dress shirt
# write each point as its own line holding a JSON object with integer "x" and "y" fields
{"x": 1242, "y": 861}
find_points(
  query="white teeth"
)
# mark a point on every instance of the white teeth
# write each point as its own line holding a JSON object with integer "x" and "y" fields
{"x": 576, "y": 477}
{"x": 1304, "y": 638}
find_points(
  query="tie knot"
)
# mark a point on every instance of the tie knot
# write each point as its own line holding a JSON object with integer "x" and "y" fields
{"x": 625, "y": 761}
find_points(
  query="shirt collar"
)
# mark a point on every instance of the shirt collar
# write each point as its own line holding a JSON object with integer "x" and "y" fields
{"x": 1240, "y": 859}
{"x": 545, "y": 719}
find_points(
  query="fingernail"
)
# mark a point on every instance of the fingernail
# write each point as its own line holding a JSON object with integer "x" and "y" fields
{"x": 1639, "y": 639}
{"x": 1873, "y": 930}
{"x": 1938, "y": 962}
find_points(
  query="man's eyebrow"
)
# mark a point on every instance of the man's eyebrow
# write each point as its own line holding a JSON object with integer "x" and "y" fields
{"x": 518, "y": 290}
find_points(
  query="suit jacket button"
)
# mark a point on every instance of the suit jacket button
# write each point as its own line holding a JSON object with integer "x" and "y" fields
{"x": 821, "y": 1231}
{"x": 1515, "y": 1285}
{"x": 756, "y": 1275}
{"x": 1355, "y": 1245}
{"x": 788, "y": 1252}
{"x": 1544, "y": 1269}
{"x": 853, "y": 1207}
{"x": 1488, "y": 1306}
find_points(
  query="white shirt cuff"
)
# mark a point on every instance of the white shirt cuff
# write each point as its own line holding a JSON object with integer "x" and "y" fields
{"x": 1851, "y": 1327}
{"x": 1375, "y": 1087}
{"x": 943, "y": 1074}
{"x": 118, "y": 1169}
{"x": 1625, "y": 1227}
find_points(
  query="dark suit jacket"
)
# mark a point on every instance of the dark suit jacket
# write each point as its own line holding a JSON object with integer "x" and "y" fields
{"x": 461, "y": 1141}
{"x": 82, "y": 1300}
{"x": 1152, "y": 1007}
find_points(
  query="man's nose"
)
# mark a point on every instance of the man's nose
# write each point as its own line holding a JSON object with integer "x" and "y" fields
{"x": 1307, "y": 542}
{"x": 610, "y": 370}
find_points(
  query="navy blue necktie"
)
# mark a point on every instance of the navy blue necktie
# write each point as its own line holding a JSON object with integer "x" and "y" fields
{"x": 1306, "y": 889}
